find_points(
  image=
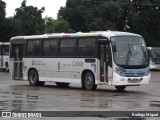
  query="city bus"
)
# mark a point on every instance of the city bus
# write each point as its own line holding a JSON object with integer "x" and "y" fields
{"x": 4, "y": 55}
{"x": 154, "y": 58}
{"x": 111, "y": 58}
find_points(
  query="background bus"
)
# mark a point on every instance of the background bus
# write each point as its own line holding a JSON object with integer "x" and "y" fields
{"x": 154, "y": 58}
{"x": 118, "y": 59}
{"x": 4, "y": 55}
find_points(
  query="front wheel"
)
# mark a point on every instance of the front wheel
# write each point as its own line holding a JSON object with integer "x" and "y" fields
{"x": 34, "y": 78}
{"x": 89, "y": 81}
{"x": 120, "y": 88}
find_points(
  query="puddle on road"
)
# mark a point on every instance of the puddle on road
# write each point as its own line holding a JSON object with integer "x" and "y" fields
{"x": 155, "y": 103}
{"x": 16, "y": 93}
{"x": 3, "y": 105}
{"x": 17, "y": 101}
{"x": 89, "y": 102}
{"x": 16, "y": 104}
{"x": 32, "y": 97}
{"x": 23, "y": 98}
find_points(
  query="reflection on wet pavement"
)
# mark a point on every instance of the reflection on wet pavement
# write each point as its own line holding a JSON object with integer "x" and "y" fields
{"x": 18, "y": 95}
{"x": 155, "y": 103}
{"x": 53, "y": 98}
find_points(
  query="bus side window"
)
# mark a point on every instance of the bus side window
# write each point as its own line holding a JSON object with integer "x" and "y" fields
{"x": 30, "y": 48}
{"x": 82, "y": 47}
{"x": 86, "y": 47}
{"x": 37, "y": 47}
{"x": 34, "y": 48}
{"x": 63, "y": 47}
{"x": 72, "y": 47}
{"x": 68, "y": 47}
{"x": 6, "y": 50}
{"x": 54, "y": 47}
{"x": 50, "y": 47}
{"x": 46, "y": 48}
{"x": 91, "y": 47}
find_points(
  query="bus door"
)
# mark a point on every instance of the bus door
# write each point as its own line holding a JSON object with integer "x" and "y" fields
{"x": 17, "y": 56}
{"x": 103, "y": 56}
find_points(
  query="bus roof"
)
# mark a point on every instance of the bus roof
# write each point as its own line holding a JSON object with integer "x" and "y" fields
{"x": 4, "y": 43}
{"x": 153, "y": 48}
{"x": 107, "y": 34}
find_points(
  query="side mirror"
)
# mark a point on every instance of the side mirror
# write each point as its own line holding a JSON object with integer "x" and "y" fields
{"x": 114, "y": 47}
{"x": 149, "y": 52}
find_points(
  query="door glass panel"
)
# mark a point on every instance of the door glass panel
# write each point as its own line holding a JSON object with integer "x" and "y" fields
{"x": 103, "y": 64}
{"x": 18, "y": 53}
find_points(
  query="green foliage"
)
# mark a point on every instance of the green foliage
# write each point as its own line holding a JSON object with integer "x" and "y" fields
{"x": 57, "y": 26}
{"x": 138, "y": 16}
{"x": 31, "y": 19}
{"x": 2, "y": 19}
{"x": 90, "y": 15}
{"x": 2, "y": 9}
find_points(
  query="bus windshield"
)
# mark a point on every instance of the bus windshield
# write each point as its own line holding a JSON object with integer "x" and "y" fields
{"x": 130, "y": 51}
{"x": 155, "y": 55}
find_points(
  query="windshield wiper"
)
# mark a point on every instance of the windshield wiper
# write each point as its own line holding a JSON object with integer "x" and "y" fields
{"x": 145, "y": 54}
{"x": 128, "y": 55}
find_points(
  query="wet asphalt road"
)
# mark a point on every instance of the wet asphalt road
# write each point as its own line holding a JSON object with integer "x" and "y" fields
{"x": 19, "y": 95}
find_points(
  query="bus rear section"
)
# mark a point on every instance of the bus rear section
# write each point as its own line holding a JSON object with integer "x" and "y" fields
{"x": 154, "y": 58}
{"x": 4, "y": 55}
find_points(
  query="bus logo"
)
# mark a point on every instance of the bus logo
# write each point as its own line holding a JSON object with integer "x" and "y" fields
{"x": 77, "y": 63}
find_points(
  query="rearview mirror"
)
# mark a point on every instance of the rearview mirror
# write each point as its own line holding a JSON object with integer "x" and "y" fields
{"x": 114, "y": 47}
{"x": 149, "y": 52}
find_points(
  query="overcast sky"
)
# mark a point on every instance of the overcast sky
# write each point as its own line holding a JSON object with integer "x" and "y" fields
{"x": 51, "y": 6}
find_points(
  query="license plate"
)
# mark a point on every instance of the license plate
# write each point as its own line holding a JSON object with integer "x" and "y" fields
{"x": 134, "y": 80}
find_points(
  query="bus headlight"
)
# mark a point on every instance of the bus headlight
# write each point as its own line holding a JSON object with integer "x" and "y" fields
{"x": 120, "y": 71}
{"x": 147, "y": 72}
{"x": 152, "y": 63}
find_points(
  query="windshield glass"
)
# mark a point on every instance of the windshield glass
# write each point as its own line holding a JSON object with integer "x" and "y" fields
{"x": 130, "y": 51}
{"x": 155, "y": 54}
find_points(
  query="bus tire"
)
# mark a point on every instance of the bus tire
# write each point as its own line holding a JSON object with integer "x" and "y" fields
{"x": 89, "y": 81}
{"x": 82, "y": 82}
{"x": 120, "y": 88}
{"x": 33, "y": 78}
{"x": 62, "y": 85}
{"x": 6, "y": 67}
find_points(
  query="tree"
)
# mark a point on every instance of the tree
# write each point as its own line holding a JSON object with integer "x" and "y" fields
{"x": 31, "y": 19}
{"x": 143, "y": 18}
{"x": 2, "y": 9}
{"x": 57, "y": 26}
{"x": 2, "y": 19}
{"x": 138, "y": 16}
{"x": 90, "y": 15}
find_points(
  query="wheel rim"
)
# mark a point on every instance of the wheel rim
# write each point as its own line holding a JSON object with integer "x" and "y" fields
{"x": 89, "y": 81}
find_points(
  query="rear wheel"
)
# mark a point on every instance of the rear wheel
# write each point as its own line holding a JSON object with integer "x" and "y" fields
{"x": 89, "y": 81}
{"x": 34, "y": 78}
{"x": 59, "y": 84}
{"x": 120, "y": 88}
